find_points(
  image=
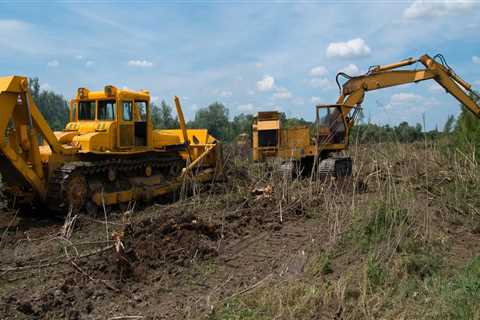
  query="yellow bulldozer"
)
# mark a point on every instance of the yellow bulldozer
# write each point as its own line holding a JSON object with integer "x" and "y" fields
{"x": 323, "y": 152}
{"x": 109, "y": 153}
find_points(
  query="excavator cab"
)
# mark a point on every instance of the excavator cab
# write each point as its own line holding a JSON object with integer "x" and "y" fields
{"x": 331, "y": 125}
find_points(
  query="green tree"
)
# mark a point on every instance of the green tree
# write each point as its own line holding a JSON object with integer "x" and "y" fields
{"x": 466, "y": 134}
{"x": 215, "y": 119}
{"x": 162, "y": 116}
{"x": 242, "y": 123}
{"x": 53, "y": 107}
{"x": 449, "y": 124}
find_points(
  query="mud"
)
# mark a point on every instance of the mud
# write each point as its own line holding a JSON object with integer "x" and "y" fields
{"x": 167, "y": 261}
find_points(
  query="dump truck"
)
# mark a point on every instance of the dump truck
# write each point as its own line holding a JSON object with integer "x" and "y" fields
{"x": 324, "y": 152}
{"x": 107, "y": 154}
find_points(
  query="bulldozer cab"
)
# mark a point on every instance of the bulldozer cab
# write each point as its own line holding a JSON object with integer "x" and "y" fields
{"x": 331, "y": 125}
{"x": 123, "y": 111}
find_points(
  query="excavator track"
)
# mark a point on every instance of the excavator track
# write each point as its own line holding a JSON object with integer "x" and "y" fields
{"x": 335, "y": 167}
{"x": 70, "y": 185}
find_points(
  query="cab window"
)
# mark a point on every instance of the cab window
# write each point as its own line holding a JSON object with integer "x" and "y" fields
{"x": 142, "y": 110}
{"x": 86, "y": 110}
{"x": 73, "y": 111}
{"x": 106, "y": 110}
{"x": 127, "y": 111}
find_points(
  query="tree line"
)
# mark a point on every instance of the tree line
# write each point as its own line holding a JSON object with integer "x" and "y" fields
{"x": 463, "y": 131}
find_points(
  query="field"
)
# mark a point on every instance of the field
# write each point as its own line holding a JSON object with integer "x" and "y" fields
{"x": 399, "y": 240}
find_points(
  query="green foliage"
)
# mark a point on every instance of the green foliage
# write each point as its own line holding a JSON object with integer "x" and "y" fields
{"x": 460, "y": 296}
{"x": 377, "y": 226}
{"x": 215, "y": 119}
{"x": 234, "y": 311}
{"x": 295, "y": 122}
{"x": 162, "y": 117}
{"x": 242, "y": 124}
{"x": 466, "y": 134}
{"x": 404, "y": 133}
{"x": 449, "y": 125}
{"x": 375, "y": 272}
{"x": 321, "y": 265}
{"x": 53, "y": 107}
{"x": 422, "y": 263}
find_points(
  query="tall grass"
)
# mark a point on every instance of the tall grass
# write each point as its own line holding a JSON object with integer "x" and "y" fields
{"x": 397, "y": 237}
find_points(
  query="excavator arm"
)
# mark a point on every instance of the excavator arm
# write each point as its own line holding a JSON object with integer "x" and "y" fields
{"x": 379, "y": 77}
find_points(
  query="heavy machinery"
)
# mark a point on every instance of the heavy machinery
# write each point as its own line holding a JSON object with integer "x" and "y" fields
{"x": 271, "y": 141}
{"x": 333, "y": 122}
{"x": 107, "y": 154}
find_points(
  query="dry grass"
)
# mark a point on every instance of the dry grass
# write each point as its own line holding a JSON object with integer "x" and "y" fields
{"x": 395, "y": 251}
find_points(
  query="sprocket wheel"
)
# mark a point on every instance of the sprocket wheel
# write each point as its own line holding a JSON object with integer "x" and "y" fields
{"x": 75, "y": 192}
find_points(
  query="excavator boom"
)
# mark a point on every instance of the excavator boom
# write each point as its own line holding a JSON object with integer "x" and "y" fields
{"x": 379, "y": 77}
{"x": 334, "y": 121}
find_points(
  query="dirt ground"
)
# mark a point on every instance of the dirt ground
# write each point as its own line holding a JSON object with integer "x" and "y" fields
{"x": 163, "y": 262}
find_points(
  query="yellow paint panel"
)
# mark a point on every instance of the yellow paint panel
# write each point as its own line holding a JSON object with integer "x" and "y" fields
{"x": 196, "y": 136}
{"x": 268, "y": 125}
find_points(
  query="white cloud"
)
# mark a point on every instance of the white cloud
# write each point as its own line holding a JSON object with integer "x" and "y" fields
{"x": 79, "y": 57}
{"x": 53, "y": 64}
{"x": 226, "y": 93}
{"x": 282, "y": 93}
{"x": 266, "y": 84}
{"x": 259, "y": 65}
{"x": 315, "y": 100}
{"x": 421, "y": 8}
{"x": 351, "y": 70}
{"x": 349, "y": 49}
{"x": 476, "y": 59}
{"x": 245, "y": 107}
{"x": 319, "y": 71}
{"x": 89, "y": 63}
{"x": 410, "y": 102}
{"x": 9, "y": 25}
{"x": 140, "y": 63}
{"x": 21, "y": 36}
{"x": 322, "y": 83}
{"x": 16, "y": 35}
{"x": 403, "y": 97}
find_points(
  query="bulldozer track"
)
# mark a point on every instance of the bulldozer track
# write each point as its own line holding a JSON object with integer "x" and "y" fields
{"x": 59, "y": 180}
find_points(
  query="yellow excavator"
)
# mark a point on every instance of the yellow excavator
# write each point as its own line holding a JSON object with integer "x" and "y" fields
{"x": 333, "y": 122}
{"x": 107, "y": 154}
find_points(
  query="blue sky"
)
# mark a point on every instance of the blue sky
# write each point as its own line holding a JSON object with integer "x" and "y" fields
{"x": 253, "y": 55}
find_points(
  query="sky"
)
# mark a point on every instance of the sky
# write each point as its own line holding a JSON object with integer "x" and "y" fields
{"x": 249, "y": 55}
